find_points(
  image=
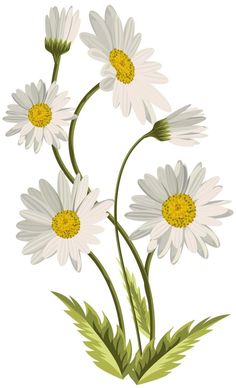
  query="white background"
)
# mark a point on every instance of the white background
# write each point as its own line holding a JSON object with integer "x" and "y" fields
{"x": 195, "y": 42}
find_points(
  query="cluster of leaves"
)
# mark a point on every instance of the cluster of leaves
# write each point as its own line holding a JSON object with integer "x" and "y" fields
{"x": 109, "y": 351}
{"x": 157, "y": 362}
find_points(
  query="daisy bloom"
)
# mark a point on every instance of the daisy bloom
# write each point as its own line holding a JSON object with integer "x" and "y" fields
{"x": 39, "y": 115}
{"x": 180, "y": 127}
{"x": 61, "y": 30}
{"x": 177, "y": 209}
{"x": 127, "y": 72}
{"x": 61, "y": 222}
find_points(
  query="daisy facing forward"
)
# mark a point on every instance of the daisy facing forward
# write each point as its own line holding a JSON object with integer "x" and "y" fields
{"x": 177, "y": 210}
{"x": 39, "y": 115}
{"x": 63, "y": 222}
{"x": 126, "y": 71}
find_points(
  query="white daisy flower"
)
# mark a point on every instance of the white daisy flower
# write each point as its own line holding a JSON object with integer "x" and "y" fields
{"x": 62, "y": 222}
{"x": 127, "y": 72}
{"x": 61, "y": 30}
{"x": 177, "y": 209}
{"x": 180, "y": 127}
{"x": 39, "y": 115}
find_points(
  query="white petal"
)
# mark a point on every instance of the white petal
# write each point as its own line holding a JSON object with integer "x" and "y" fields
{"x": 177, "y": 236}
{"x": 190, "y": 240}
{"x": 62, "y": 251}
{"x": 37, "y": 205}
{"x": 139, "y": 233}
{"x": 160, "y": 228}
{"x": 74, "y": 27}
{"x": 153, "y": 188}
{"x": 175, "y": 253}
{"x": 74, "y": 255}
{"x": 36, "y": 217}
{"x": 150, "y": 113}
{"x": 171, "y": 180}
{"x": 88, "y": 203}
{"x": 38, "y": 243}
{"x": 207, "y": 196}
{"x": 195, "y": 180}
{"x": 125, "y": 102}
{"x": 133, "y": 46}
{"x": 152, "y": 245}
{"x": 100, "y": 29}
{"x": 164, "y": 243}
{"x": 98, "y": 54}
{"x": 128, "y": 33}
{"x": 211, "y": 238}
{"x": 50, "y": 196}
{"x": 51, "y": 248}
{"x": 107, "y": 84}
{"x": 118, "y": 35}
{"x": 68, "y": 22}
{"x": 142, "y": 55}
{"x": 81, "y": 193}
{"x": 98, "y": 212}
{"x": 37, "y": 257}
{"x": 64, "y": 191}
{"x": 137, "y": 102}
{"x": 92, "y": 41}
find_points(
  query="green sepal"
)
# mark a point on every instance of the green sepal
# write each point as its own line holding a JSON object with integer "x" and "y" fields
{"x": 57, "y": 47}
{"x": 109, "y": 352}
{"x": 157, "y": 362}
{"x": 161, "y": 130}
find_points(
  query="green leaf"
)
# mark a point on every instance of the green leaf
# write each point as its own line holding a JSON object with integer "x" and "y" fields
{"x": 140, "y": 304}
{"x": 157, "y": 362}
{"x": 109, "y": 352}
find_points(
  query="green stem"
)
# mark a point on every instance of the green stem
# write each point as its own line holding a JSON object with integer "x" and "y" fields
{"x": 62, "y": 164}
{"x": 91, "y": 254}
{"x": 56, "y": 68}
{"x": 134, "y": 251}
{"x": 73, "y": 125}
{"x": 111, "y": 288}
{"x": 148, "y": 262}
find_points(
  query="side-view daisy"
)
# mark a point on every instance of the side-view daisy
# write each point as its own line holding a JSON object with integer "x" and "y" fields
{"x": 39, "y": 115}
{"x": 181, "y": 127}
{"x": 61, "y": 30}
{"x": 177, "y": 209}
{"x": 127, "y": 72}
{"x": 62, "y": 222}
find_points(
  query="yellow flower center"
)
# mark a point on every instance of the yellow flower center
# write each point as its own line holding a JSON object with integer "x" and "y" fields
{"x": 40, "y": 115}
{"x": 179, "y": 210}
{"x": 66, "y": 224}
{"x": 125, "y": 69}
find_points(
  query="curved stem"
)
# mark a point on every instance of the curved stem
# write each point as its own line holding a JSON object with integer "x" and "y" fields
{"x": 111, "y": 288}
{"x": 91, "y": 254}
{"x": 73, "y": 125}
{"x": 62, "y": 164}
{"x": 134, "y": 251}
{"x": 148, "y": 262}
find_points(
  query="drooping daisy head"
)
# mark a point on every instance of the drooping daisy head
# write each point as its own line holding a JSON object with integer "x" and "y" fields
{"x": 39, "y": 115}
{"x": 61, "y": 222}
{"x": 177, "y": 210}
{"x": 180, "y": 127}
{"x": 61, "y": 30}
{"x": 127, "y": 72}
